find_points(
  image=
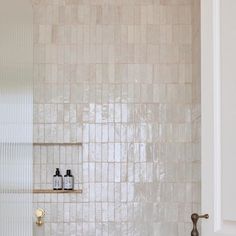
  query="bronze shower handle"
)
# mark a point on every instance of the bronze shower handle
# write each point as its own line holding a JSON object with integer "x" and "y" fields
{"x": 195, "y": 217}
{"x": 206, "y": 216}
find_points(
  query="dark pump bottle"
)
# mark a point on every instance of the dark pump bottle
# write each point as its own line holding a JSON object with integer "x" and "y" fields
{"x": 57, "y": 180}
{"x": 68, "y": 181}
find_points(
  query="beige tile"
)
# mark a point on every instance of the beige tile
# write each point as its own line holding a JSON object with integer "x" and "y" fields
{"x": 185, "y": 53}
{"x": 124, "y": 53}
{"x": 153, "y": 34}
{"x": 182, "y": 34}
{"x": 140, "y": 34}
{"x": 127, "y": 15}
{"x": 169, "y": 15}
{"x": 140, "y": 53}
{"x": 184, "y": 14}
{"x": 96, "y": 14}
{"x": 166, "y": 33}
{"x": 166, "y": 73}
{"x": 153, "y": 53}
{"x": 175, "y": 2}
{"x": 169, "y": 53}
{"x": 108, "y": 34}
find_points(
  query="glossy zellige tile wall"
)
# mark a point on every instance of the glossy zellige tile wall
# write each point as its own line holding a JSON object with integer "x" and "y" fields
{"x": 117, "y": 76}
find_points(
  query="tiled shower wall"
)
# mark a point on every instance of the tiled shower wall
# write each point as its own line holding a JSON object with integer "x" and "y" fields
{"x": 116, "y": 75}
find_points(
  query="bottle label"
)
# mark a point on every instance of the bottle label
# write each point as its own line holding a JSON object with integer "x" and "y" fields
{"x": 57, "y": 182}
{"x": 68, "y": 183}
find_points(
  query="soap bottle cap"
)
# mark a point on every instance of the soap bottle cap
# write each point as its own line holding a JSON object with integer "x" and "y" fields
{"x": 68, "y": 172}
{"x": 57, "y": 171}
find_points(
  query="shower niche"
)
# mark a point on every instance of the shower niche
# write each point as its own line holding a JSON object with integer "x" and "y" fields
{"x": 48, "y": 157}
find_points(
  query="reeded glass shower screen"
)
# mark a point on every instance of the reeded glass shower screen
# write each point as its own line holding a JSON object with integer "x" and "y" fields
{"x": 16, "y": 117}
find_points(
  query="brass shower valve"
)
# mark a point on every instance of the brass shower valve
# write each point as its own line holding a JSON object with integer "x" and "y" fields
{"x": 39, "y": 213}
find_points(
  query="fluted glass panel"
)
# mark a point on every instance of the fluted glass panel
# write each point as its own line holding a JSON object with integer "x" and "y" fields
{"x": 16, "y": 112}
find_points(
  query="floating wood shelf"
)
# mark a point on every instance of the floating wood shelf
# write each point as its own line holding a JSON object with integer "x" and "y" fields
{"x": 45, "y": 191}
{"x": 30, "y": 143}
{"x": 59, "y": 144}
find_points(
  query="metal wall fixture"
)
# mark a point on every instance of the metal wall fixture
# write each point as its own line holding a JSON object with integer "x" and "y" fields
{"x": 40, "y": 213}
{"x": 195, "y": 217}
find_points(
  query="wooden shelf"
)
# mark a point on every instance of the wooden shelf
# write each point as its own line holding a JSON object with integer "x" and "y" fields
{"x": 45, "y": 191}
{"x": 59, "y": 144}
{"x": 29, "y": 143}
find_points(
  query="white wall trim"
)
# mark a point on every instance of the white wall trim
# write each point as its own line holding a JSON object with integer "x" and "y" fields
{"x": 217, "y": 114}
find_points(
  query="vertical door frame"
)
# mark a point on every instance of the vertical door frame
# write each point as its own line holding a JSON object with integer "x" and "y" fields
{"x": 211, "y": 115}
